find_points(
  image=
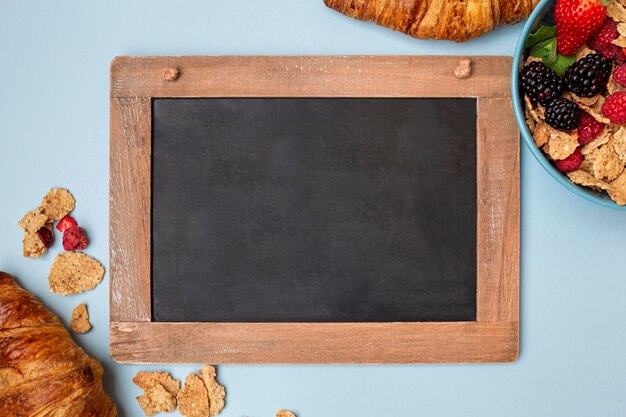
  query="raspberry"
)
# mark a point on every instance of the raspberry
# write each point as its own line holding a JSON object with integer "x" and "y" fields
{"x": 588, "y": 128}
{"x": 65, "y": 223}
{"x": 74, "y": 239}
{"x": 601, "y": 41}
{"x": 619, "y": 75}
{"x": 571, "y": 163}
{"x": 46, "y": 236}
{"x": 540, "y": 83}
{"x": 562, "y": 114}
{"x": 614, "y": 107}
{"x": 588, "y": 76}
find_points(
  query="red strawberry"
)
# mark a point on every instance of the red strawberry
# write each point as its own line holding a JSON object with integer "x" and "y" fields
{"x": 576, "y": 21}
{"x": 614, "y": 107}
{"x": 74, "y": 239}
{"x": 571, "y": 163}
{"x": 65, "y": 223}
{"x": 588, "y": 128}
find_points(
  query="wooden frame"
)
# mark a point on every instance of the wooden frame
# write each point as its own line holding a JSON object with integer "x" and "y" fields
{"x": 493, "y": 337}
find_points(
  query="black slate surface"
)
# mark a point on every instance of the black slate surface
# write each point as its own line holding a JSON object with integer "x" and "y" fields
{"x": 314, "y": 210}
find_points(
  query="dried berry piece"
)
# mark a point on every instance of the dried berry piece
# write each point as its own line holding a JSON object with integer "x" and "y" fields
{"x": 46, "y": 236}
{"x": 74, "y": 239}
{"x": 65, "y": 223}
{"x": 571, "y": 163}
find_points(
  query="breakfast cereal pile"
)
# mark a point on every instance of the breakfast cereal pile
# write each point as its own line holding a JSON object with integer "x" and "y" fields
{"x": 71, "y": 272}
{"x": 574, "y": 86}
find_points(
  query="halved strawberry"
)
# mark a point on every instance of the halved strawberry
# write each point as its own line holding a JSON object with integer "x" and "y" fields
{"x": 65, "y": 223}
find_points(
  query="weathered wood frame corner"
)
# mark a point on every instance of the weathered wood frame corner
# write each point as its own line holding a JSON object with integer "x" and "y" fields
{"x": 135, "y": 81}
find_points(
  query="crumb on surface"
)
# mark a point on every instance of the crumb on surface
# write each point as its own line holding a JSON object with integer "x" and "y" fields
{"x": 80, "y": 319}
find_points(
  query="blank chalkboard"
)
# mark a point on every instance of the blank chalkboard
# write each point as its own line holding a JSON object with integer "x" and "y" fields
{"x": 313, "y": 209}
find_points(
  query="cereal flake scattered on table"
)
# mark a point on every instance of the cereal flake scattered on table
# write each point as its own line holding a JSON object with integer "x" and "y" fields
{"x": 215, "y": 391}
{"x": 74, "y": 273}
{"x": 33, "y": 220}
{"x": 160, "y": 391}
{"x": 57, "y": 203}
{"x": 193, "y": 399}
{"x": 285, "y": 413}
{"x": 80, "y": 319}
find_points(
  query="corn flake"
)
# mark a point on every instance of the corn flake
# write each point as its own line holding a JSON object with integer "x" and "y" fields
{"x": 616, "y": 12}
{"x": 619, "y": 41}
{"x": 33, "y": 220}
{"x": 57, "y": 203}
{"x": 214, "y": 389}
{"x": 595, "y": 109}
{"x": 284, "y": 413}
{"x": 618, "y": 189}
{"x": 619, "y": 143}
{"x": 74, "y": 273}
{"x": 80, "y": 319}
{"x": 603, "y": 162}
{"x": 585, "y": 179}
{"x": 560, "y": 144}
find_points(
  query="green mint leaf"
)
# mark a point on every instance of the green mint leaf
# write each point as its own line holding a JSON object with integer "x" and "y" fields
{"x": 561, "y": 64}
{"x": 544, "y": 49}
{"x": 553, "y": 55}
{"x": 541, "y": 34}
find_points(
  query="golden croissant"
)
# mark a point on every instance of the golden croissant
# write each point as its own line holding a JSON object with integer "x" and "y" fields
{"x": 43, "y": 373}
{"x": 457, "y": 20}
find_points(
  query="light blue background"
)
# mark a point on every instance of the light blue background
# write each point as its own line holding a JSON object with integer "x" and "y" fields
{"x": 54, "y": 115}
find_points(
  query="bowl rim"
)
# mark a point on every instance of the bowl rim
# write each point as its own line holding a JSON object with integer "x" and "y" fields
{"x": 521, "y": 120}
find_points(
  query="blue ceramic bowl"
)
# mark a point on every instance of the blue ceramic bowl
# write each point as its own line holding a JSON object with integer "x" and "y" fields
{"x": 535, "y": 20}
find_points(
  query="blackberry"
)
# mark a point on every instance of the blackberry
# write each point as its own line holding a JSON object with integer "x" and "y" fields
{"x": 562, "y": 114}
{"x": 540, "y": 83}
{"x": 588, "y": 76}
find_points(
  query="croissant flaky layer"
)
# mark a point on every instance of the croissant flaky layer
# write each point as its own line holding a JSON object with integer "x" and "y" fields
{"x": 43, "y": 373}
{"x": 457, "y": 20}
